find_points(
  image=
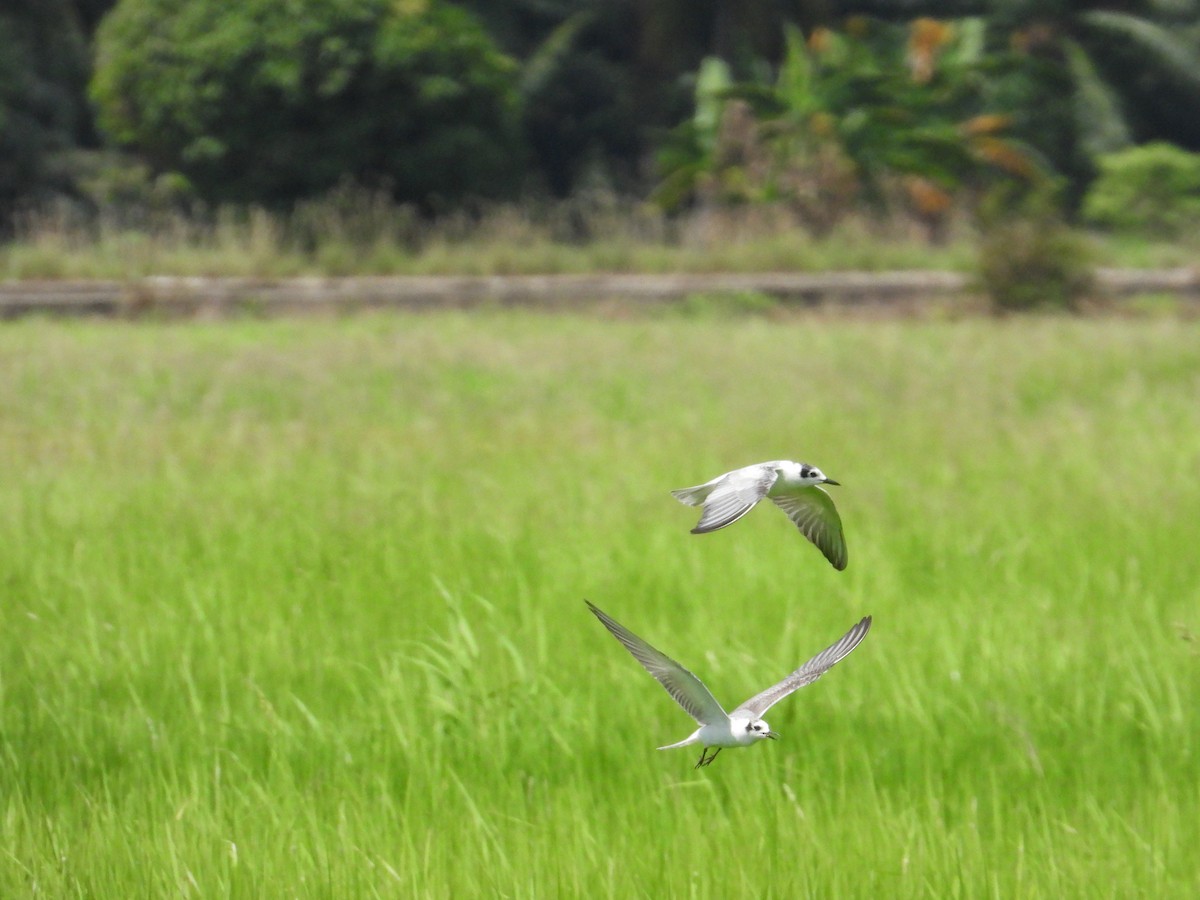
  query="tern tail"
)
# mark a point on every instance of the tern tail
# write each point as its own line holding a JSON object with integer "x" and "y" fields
{"x": 693, "y": 738}
{"x": 693, "y": 496}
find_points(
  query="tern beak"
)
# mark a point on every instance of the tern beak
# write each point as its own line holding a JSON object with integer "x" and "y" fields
{"x": 772, "y": 735}
{"x": 831, "y": 481}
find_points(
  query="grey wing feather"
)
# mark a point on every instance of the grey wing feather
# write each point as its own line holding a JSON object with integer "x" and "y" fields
{"x": 812, "y": 510}
{"x": 735, "y": 495}
{"x": 685, "y": 688}
{"x": 809, "y": 672}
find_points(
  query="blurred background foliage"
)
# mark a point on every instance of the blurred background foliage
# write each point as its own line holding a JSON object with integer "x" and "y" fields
{"x": 267, "y": 102}
{"x": 820, "y": 108}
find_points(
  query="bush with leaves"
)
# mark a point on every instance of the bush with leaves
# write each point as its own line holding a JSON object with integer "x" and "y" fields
{"x": 1029, "y": 257}
{"x": 267, "y": 102}
{"x": 1153, "y": 189}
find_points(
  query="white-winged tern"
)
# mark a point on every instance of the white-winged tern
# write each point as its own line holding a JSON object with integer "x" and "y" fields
{"x": 743, "y": 726}
{"x": 792, "y": 486}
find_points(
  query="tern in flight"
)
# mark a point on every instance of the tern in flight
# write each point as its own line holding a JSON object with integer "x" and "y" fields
{"x": 792, "y": 486}
{"x": 743, "y": 726}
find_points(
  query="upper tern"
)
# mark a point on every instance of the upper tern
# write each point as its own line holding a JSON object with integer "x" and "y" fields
{"x": 793, "y": 487}
{"x": 717, "y": 728}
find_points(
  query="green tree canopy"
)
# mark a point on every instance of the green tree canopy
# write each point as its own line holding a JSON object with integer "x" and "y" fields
{"x": 43, "y": 69}
{"x": 266, "y": 101}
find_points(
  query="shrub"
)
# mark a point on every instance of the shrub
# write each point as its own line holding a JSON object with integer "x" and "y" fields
{"x": 1029, "y": 257}
{"x": 266, "y": 101}
{"x": 1154, "y": 188}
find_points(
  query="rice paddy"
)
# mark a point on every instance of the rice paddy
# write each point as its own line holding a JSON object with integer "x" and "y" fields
{"x": 295, "y": 608}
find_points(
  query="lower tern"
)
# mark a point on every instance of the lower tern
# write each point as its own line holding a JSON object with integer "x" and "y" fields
{"x": 744, "y": 726}
{"x": 792, "y": 486}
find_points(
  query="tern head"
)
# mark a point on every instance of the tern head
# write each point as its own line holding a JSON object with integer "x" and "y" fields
{"x": 813, "y": 475}
{"x": 759, "y": 730}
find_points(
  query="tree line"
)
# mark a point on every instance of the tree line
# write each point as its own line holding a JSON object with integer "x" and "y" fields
{"x": 819, "y": 105}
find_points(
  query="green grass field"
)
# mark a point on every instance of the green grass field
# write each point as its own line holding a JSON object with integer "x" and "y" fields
{"x": 295, "y": 608}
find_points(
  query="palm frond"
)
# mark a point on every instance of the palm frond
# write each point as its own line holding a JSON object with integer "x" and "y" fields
{"x": 1098, "y": 114}
{"x": 1158, "y": 43}
{"x": 543, "y": 63}
{"x": 1179, "y": 10}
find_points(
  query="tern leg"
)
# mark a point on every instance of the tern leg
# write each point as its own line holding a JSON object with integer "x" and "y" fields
{"x": 707, "y": 762}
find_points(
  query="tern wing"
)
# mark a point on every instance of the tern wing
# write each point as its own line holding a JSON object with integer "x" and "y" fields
{"x": 686, "y": 689}
{"x": 734, "y": 495}
{"x": 807, "y": 673}
{"x": 812, "y": 509}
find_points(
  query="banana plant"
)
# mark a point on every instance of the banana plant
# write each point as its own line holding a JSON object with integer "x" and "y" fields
{"x": 845, "y": 118}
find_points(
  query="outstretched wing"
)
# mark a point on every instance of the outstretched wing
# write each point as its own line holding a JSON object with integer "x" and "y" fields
{"x": 686, "y": 689}
{"x": 734, "y": 495}
{"x": 807, "y": 673}
{"x": 812, "y": 509}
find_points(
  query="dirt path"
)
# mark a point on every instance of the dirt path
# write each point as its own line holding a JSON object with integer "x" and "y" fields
{"x": 215, "y": 297}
